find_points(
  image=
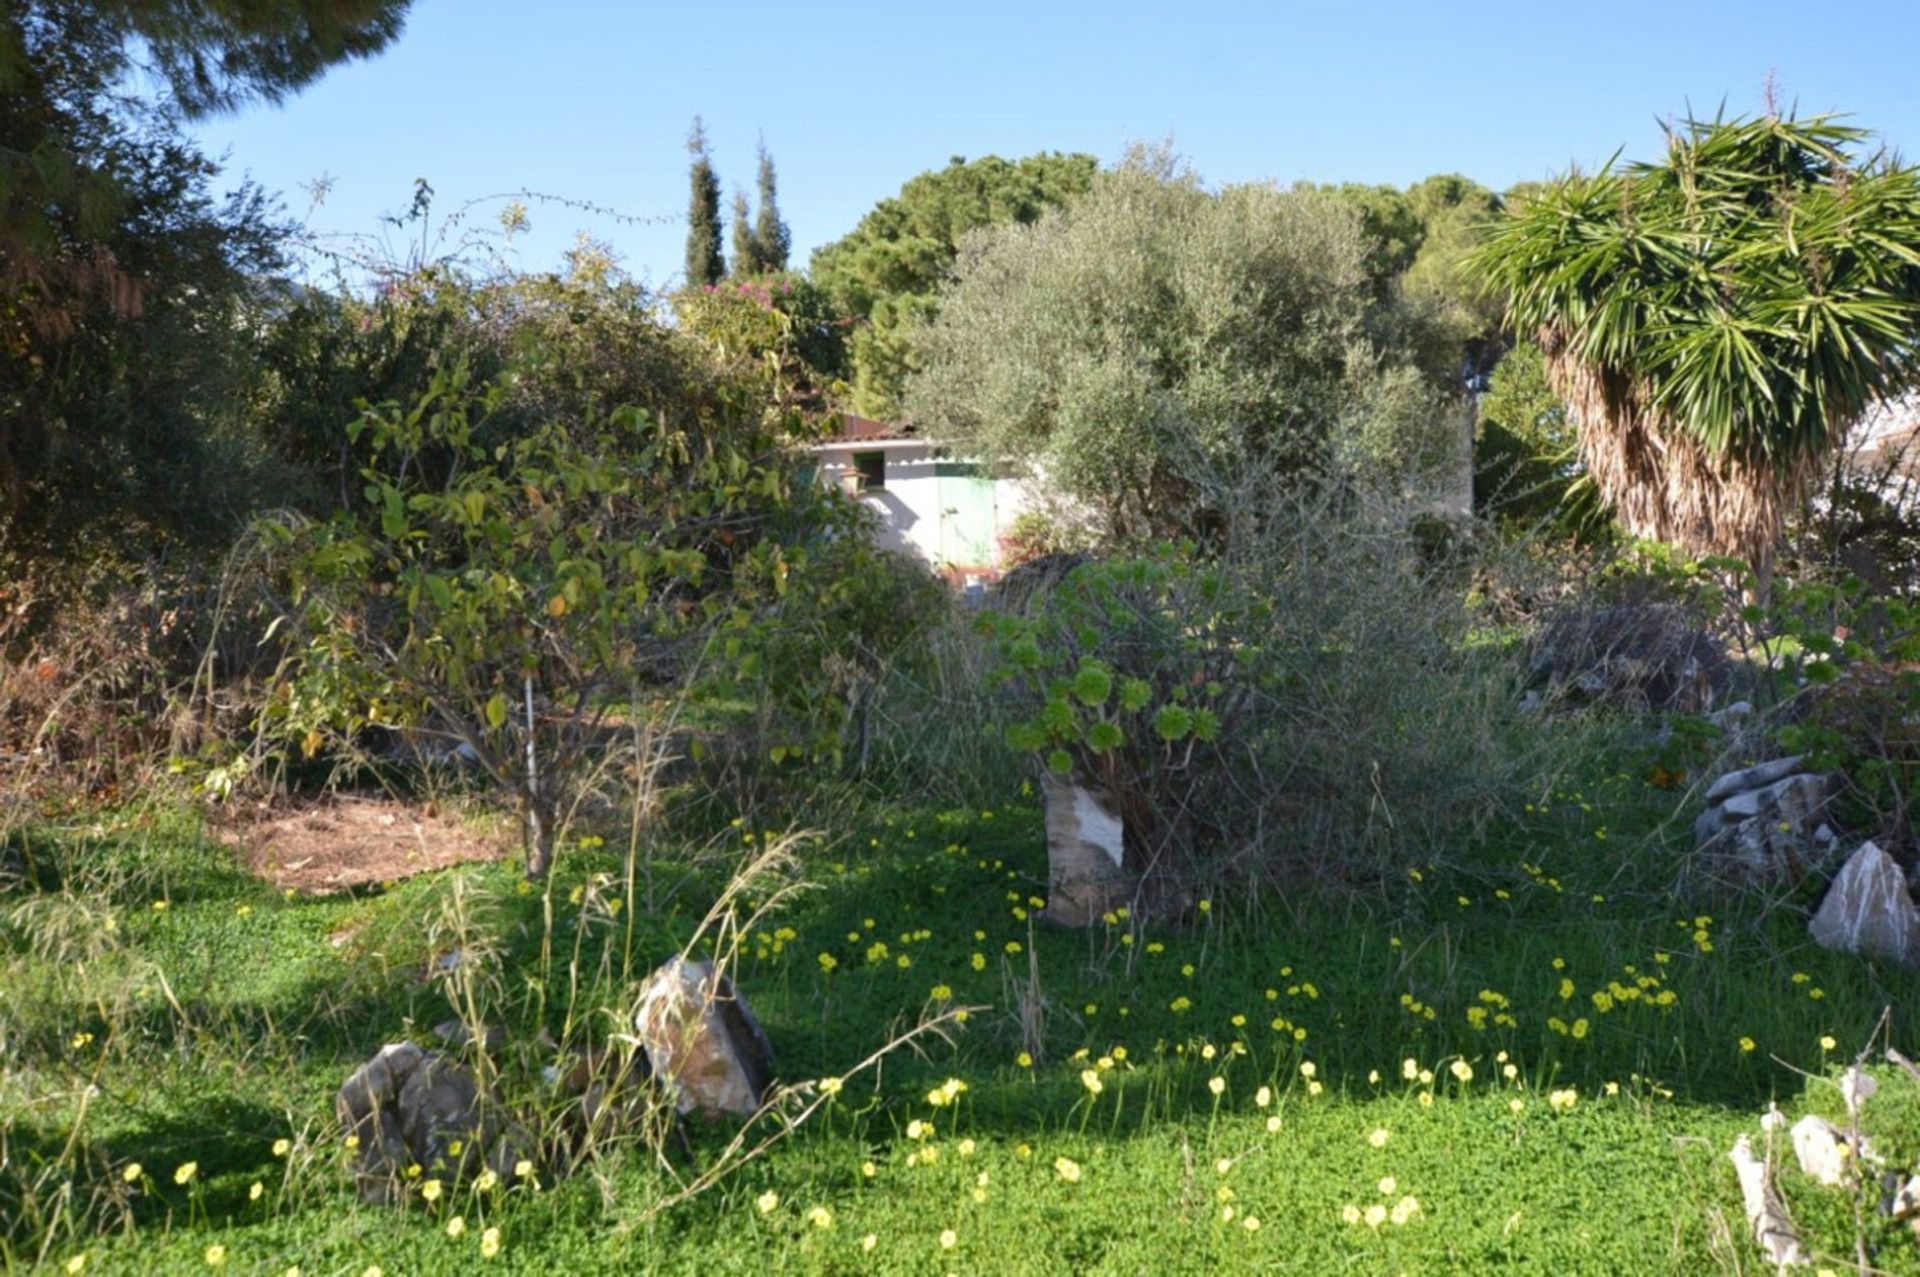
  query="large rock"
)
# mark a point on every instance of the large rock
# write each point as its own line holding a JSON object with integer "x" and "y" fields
{"x": 702, "y": 1041}
{"x": 1766, "y": 821}
{"x": 1869, "y": 910}
{"x": 409, "y": 1108}
{"x": 1087, "y": 876}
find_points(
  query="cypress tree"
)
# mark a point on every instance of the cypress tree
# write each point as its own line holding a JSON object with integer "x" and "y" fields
{"x": 770, "y": 236}
{"x": 746, "y": 252}
{"x": 705, "y": 264}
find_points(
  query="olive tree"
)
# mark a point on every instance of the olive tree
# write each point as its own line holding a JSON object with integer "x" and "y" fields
{"x": 1153, "y": 344}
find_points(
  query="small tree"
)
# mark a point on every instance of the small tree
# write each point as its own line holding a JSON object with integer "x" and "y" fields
{"x": 705, "y": 264}
{"x": 508, "y": 594}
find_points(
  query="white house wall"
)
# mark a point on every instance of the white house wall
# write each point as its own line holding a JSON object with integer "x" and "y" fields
{"x": 908, "y": 508}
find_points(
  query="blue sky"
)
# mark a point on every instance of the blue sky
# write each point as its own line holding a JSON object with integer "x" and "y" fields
{"x": 591, "y": 99}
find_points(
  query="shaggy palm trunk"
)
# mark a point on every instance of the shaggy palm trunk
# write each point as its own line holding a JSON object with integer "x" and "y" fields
{"x": 1663, "y": 484}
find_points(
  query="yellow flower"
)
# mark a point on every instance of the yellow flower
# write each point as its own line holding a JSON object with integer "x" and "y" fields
{"x": 1405, "y": 1209}
{"x": 1376, "y": 1215}
{"x": 1068, "y": 1168}
{"x": 487, "y": 1181}
{"x": 1747, "y": 1045}
{"x": 132, "y": 1172}
{"x": 490, "y": 1243}
{"x": 1307, "y": 1069}
{"x": 768, "y": 1202}
{"x": 1387, "y": 1185}
{"x": 1314, "y": 1088}
{"x": 1564, "y": 1100}
{"x": 868, "y": 1170}
{"x": 948, "y": 1239}
{"x": 216, "y": 1255}
{"x": 820, "y": 1217}
{"x": 78, "y": 1262}
{"x": 831, "y": 1086}
{"x": 919, "y": 1130}
{"x": 1217, "y": 1084}
{"x": 1351, "y": 1214}
{"x": 966, "y": 1147}
{"x": 1263, "y": 1097}
{"x": 1273, "y": 1124}
{"x": 281, "y": 1147}
{"x": 1024, "y": 1060}
{"x": 1827, "y": 1043}
{"x": 456, "y": 1226}
{"x": 431, "y": 1190}
{"x": 373, "y": 1270}
{"x": 522, "y": 1168}
{"x": 1379, "y": 1137}
{"x": 1409, "y": 1069}
{"x": 184, "y": 1173}
{"x": 869, "y": 1242}
{"x": 253, "y": 1193}
{"x": 1461, "y": 1070}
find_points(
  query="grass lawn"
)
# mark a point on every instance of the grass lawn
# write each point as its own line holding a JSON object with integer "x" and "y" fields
{"x": 1525, "y": 1057}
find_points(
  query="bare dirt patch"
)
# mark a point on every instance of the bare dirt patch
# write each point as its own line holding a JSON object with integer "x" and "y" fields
{"x": 342, "y": 841}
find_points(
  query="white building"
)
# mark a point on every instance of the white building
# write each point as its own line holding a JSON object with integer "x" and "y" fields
{"x": 949, "y": 512}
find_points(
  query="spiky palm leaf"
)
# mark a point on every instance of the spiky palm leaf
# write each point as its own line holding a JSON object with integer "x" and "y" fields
{"x": 1717, "y": 321}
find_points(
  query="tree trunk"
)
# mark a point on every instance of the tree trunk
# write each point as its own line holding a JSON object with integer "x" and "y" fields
{"x": 540, "y": 836}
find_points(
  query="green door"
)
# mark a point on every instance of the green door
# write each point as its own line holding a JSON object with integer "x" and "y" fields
{"x": 966, "y": 514}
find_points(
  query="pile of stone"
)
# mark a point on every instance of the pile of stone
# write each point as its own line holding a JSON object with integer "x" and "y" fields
{"x": 1641, "y": 656}
{"x": 1767, "y": 821}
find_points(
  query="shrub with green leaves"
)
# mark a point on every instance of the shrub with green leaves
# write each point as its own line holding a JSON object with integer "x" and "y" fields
{"x": 510, "y": 593}
{"x": 1320, "y": 706}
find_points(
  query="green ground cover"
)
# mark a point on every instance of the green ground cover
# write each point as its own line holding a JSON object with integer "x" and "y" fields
{"x": 1533, "y": 1058}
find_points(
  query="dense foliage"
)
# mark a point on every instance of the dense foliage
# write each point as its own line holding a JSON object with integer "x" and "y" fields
{"x": 888, "y": 270}
{"x": 1156, "y": 349}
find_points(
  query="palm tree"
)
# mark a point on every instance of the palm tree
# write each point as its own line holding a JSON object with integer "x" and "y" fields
{"x": 1718, "y": 321}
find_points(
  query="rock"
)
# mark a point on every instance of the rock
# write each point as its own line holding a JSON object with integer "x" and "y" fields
{"x": 1906, "y": 1201}
{"x": 1821, "y": 1150}
{"x": 407, "y": 1107}
{"x": 1087, "y": 876}
{"x": 1772, "y": 1227}
{"x": 1756, "y": 777}
{"x": 1732, "y": 717}
{"x": 1868, "y": 910}
{"x": 1762, "y": 820}
{"x": 1856, "y": 1088}
{"x": 702, "y": 1041}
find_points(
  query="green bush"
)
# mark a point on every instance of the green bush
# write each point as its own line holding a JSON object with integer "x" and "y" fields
{"x": 1321, "y": 704}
